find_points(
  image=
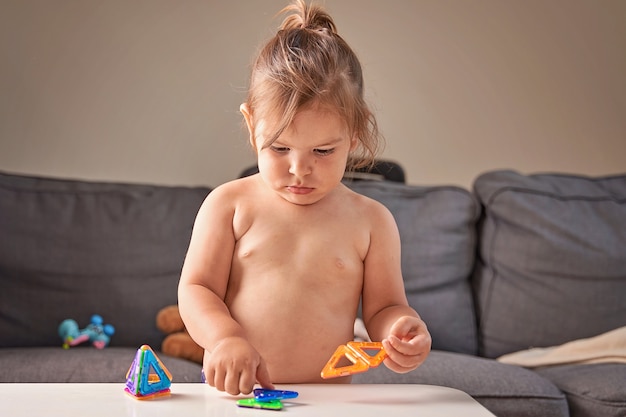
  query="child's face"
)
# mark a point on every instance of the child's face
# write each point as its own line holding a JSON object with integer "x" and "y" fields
{"x": 308, "y": 160}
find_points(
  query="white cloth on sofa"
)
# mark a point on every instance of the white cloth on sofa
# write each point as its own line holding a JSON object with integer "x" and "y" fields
{"x": 606, "y": 347}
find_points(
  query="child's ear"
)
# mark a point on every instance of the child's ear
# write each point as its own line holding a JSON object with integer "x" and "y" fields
{"x": 245, "y": 110}
{"x": 354, "y": 142}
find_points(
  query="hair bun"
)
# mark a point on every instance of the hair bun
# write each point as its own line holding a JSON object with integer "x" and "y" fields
{"x": 303, "y": 16}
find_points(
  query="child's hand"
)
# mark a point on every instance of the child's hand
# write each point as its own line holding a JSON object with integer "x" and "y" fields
{"x": 407, "y": 345}
{"x": 235, "y": 366}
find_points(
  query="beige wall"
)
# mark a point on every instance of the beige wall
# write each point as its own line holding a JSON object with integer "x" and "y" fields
{"x": 148, "y": 90}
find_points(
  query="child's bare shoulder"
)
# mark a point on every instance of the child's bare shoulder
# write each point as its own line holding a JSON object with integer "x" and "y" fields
{"x": 368, "y": 205}
{"x": 231, "y": 191}
{"x": 225, "y": 198}
{"x": 375, "y": 215}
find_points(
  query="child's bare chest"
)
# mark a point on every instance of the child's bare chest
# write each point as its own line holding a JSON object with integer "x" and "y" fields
{"x": 279, "y": 238}
{"x": 315, "y": 245}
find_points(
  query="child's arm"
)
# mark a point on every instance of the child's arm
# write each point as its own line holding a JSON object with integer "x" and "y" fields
{"x": 231, "y": 363}
{"x": 386, "y": 312}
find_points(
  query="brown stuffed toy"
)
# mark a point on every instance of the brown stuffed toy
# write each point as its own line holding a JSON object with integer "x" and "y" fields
{"x": 177, "y": 343}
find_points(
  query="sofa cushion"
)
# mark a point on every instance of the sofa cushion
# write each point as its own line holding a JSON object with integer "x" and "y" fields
{"x": 505, "y": 390}
{"x": 71, "y": 249}
{"x": 437, "y": 230}
{"x": 552, "y": 261}
{"x": 591, "y": 390}
{"x": 83, "y": 364}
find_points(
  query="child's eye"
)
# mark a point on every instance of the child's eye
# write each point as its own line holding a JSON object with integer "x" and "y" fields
{"x": 324, "y": 152}
{"x": 279, "y": 149}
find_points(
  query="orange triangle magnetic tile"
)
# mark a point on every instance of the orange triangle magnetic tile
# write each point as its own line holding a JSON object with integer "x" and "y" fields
{"x": 332, "y": 371}
{"x": 361, "y": 348}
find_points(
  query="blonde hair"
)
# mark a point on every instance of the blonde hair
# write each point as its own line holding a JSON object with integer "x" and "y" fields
{"x": 308, "y": 63}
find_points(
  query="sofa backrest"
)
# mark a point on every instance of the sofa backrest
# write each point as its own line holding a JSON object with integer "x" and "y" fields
{"x": 71, "y": 249}
{"x": 438, "y": 235}
{"x": 552, "y": 264}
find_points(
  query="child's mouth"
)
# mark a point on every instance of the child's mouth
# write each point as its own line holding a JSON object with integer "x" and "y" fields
{"x": 299, "y": 190}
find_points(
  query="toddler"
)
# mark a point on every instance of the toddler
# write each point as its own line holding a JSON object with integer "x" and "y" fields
{"x": 278, "y": 261}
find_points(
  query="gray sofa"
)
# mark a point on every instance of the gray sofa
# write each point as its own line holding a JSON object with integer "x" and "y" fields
{"x": 517, "y": 262}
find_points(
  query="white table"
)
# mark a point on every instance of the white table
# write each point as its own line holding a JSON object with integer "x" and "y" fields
{"x": 358, "y": 400}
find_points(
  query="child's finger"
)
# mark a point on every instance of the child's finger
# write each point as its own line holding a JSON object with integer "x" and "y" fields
{"x": 218, "y": 380}
{"x": 406, "y": 354}
{"x": 394, "y": 353}
{"x": 396, "y": 361}
{"x": 231, "y": 383}
{"x": 405, "y": 327}
{"x": 263, "y": 376}
{"x": 405, "y": 347}
{"x": 247, "y": 380}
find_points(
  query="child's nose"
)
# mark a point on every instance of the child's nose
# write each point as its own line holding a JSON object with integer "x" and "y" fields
{"x": 300, "y": 165}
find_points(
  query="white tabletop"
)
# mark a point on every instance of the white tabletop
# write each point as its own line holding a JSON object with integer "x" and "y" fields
{"x": 359, "y": 400}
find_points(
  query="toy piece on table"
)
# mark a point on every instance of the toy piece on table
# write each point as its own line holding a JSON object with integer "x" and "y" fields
{"x": 267, "y": 395}
{"x": 97, "y": 333}
{"x": 357, "y": 354}
{"x": 266, "y": 405}
{"x": 267, "y": 399}
{"x": 147, "y": 377}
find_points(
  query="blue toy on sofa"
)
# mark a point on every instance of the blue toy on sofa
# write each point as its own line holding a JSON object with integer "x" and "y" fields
{"x": 97, "y": 333}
